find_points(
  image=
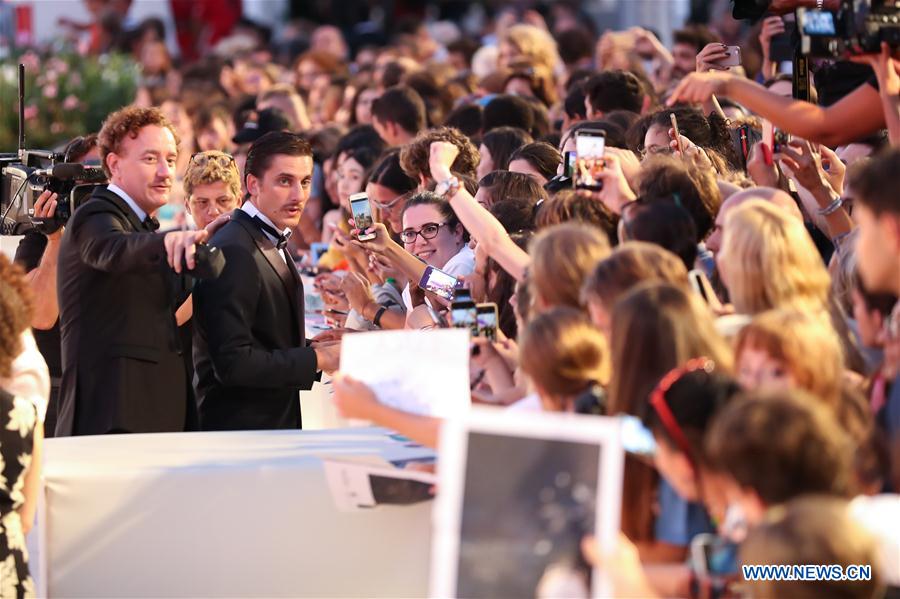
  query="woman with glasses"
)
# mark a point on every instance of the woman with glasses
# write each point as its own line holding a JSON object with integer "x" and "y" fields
{"x": 387, "y": 188}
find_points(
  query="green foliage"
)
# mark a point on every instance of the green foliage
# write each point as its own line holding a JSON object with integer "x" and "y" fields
{"x": 66, "y": 95}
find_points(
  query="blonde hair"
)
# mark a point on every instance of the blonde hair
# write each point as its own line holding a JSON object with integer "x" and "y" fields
{"x": 212, "y": 171}
{"x": 563, "y": 353}
{"x": 562, "y": 256}
{"x": 535, "y": 44}
{"x": 771, "y": 261}
{"x": 806, "y": 344}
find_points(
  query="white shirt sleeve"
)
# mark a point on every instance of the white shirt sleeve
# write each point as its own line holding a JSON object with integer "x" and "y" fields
{"x": 30, "y": 378}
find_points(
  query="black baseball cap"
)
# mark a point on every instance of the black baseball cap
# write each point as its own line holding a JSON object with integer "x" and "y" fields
{"x": 260, "y": 123}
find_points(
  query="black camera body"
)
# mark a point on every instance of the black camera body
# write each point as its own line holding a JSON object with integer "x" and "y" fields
{"x": 25, "y": 174}
{"x": 858, "y": 27}
{"x": 23, "y": 179}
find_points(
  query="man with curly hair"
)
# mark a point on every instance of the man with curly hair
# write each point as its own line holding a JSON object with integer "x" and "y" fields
{"x": 414, "y": 156}
{"x": 119, "y": 285}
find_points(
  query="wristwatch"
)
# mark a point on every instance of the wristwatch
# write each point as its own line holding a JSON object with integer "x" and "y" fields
{"x": 447, "y": 188}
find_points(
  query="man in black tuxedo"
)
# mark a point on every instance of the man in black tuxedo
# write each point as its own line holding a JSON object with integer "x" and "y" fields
{"x": 121, "y": 368}
{"x": 251, "y": 355}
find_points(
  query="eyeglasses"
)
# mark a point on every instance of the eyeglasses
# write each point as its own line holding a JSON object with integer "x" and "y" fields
{"x": 202, "y": 158}
{"x": 387, "y": 205}
{"x": 428, "y": 231}
{"x": 658, "y": 402}
{"x": 222, "y": 204}
{"x": 656, "y": 151}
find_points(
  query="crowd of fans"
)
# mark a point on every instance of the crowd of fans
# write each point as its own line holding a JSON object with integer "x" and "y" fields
{"x": 739, "y": 299}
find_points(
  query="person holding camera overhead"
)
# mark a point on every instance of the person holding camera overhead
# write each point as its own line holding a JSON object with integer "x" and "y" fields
{"x": 119, "y": 287}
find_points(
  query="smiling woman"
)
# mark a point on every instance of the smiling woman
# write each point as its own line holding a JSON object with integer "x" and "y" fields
{"x": 431, "y": 230}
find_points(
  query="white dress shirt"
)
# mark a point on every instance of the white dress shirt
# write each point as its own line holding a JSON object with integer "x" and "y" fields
{"x": 250, "y": 208}
{"x": 131, "y": 203}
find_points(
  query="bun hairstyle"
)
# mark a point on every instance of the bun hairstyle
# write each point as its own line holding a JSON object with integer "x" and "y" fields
{"x": 563, "y": 354}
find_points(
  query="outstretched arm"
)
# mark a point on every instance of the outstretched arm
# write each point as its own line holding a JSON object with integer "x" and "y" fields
{"x": 481, "y": 224}
{"x": 853, "y": 117}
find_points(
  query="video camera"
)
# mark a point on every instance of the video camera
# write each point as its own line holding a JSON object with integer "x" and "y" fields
{"x": 858, "y": 27}
{"x": 25, "y": 174}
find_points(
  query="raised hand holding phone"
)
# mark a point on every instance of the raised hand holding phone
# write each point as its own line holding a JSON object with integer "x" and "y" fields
{"x": 675, "y": 134}
{"x": 362, "y": 216}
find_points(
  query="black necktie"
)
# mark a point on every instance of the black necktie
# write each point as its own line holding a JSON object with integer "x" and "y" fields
{"x": 281, "y": 238}
{"x": 150, "y": 223}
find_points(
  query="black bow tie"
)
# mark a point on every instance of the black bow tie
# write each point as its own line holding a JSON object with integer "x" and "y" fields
{"x": 150, "y": 223}
{"x": 281, "y": 238}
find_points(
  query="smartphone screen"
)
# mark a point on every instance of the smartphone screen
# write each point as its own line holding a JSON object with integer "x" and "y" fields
{"x": 463, "y": 315}
{"x": 487, "y": 321}
{"x": 438, "y": 282}
{"x": 362, "y": 215}
{"x": 817, "y": 22}
{"x": 779, "y": 139}
{"x": 569, "y": 164}
{"x": 590, "y": 145}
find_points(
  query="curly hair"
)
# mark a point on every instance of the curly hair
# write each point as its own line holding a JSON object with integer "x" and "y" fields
{"x": 128, "y": 122}
{"x": 212, "y": 167}
{"x": 15, "y": 313}
{"x": 414, "y": 155}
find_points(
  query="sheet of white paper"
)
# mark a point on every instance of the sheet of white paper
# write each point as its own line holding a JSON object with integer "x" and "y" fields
{"x": 348, "y": 479}
{"x": 423, "y": 372}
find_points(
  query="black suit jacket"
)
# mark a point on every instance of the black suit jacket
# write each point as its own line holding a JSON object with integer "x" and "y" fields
{"x": 121, "y": 365}
{"x": 250, "y": 352}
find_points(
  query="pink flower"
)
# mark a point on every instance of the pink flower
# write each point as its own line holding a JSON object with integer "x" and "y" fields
{"x": 50, "y": 90}
{"x": 56, "y": 128}
{"x": 31, "y": 61}
{"x": 31, "y": 112}
{"x": 70, "y": 103}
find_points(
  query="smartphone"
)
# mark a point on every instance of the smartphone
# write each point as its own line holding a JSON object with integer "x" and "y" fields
{"x": 362, "y": 215}
{"x": 701, "y": 285}
{"x": 781, "y": 46}
{"x": 768, "y": 138}
{"x": 569, "y": 164}
{"x": 637, "y": 438}
{"x": 714, "y": 556}
{"x": 733, "y": 58}
{"x": 779, "y": 139}
{"x": 677, "y": 133}
{"x": 438, "y": 282}
{"x": 487, "y": 320}
{"x": 590, "y": 145}
{"x": 463, "y": 312}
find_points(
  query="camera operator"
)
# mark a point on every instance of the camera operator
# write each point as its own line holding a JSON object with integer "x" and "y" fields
{"x": 37, "y": 253}
{"x": 854, "y": 116}
{"x": 121, "y": 368}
